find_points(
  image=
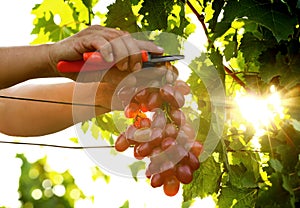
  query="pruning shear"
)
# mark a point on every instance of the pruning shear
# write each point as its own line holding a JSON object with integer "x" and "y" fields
{"x": 93, "y": 61}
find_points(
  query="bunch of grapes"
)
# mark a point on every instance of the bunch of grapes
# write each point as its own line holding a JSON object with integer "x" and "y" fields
{"x": 161, "y": 132}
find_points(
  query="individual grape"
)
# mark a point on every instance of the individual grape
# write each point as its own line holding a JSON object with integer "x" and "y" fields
{"x": 182, "y": 138}
{"x": 175, "y": 153}
{"x": 182, "y": 87}
{"x": 170, "y": 76}
{"x": 196, "y": 148}
{"x": 184, "y": 174}
{"x": 142, "y": 135}
{"x": 131, "y": 110}
{"x": 147, "y": 173}
{"x": 154, "y": 101}
{"x": 177, "y": 117}
{"x": 144, "y": 149}
{"x": 142, "y": 95}
{"x": 156, "y": 180}
{"x": 178, "y": 100}
{"x": 170, "y": 130}
{"x": 129, "y": 134}
{"x": 167, "y": 142}
{"x": 171, "y": 96}
{"x": 125, "y": 94}
{"x": 193, "y": 161}
{"x": 171, "y": 186}
{"x": 144, "y": 107}
{"x": 189, "y": 131}
{"x": 167, "y": 93}
{"x": 136, "y": 153}
{"x": 167, "y": 168}
{"x": 145, "y": 123}
{"x": 121, "y": 143}
{"x": 153, "y": 167}
{"x": 156, "y": 136}
{"x": 159, "y": 120}
{"x": 158, "y": 157}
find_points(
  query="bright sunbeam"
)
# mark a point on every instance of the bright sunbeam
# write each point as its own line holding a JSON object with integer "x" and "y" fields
{"x": 260, "y": 111}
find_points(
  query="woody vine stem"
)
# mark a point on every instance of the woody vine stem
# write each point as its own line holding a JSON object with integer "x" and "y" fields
{"x": 200, "y": 17}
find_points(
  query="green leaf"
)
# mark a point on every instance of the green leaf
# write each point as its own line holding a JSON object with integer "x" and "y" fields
{"x": 87, "y": 3}
{"x": 155, "y": 14}
{"x": 281, "y": 23}
{"x": 135, "y": 2}
{"x": 95, "y": 131}
{"x": 271, "y": 192}
{"x": 170, "y": 43}
{"x": 97, "y": 173}
{"x": 54, "y": 31}
{"x": 276, "y": 165}
{"x": 85, "y": 126}
{"x": 74, "y": 140}
{"x": 187, "y": 204}
{"x": 206, "y": 180}
{"x": 125, "y": 205}
{"x": 287, "y": 184}
{"x": 237, "y": 198}
{"x": 244, "y": 169}
{"x": 106, "y": 122}
{"x": 136, "y": 167}
{"x": 120, "y": 15}
{"x": 252, "y": 47}
{"x": 217, "y": 6}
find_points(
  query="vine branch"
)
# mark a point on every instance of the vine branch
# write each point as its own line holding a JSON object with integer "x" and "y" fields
{"x": 200, "y": 17}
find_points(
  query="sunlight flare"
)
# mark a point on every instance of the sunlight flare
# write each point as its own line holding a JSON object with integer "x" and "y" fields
{"x": 260, "y": 111}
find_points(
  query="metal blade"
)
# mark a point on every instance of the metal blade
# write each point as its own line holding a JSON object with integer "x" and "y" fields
{"x": 158, "y": 59}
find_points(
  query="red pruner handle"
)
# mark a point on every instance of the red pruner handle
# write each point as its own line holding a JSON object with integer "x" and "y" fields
{"x": 145, "y": 56}
{"x": 92, "y": 61}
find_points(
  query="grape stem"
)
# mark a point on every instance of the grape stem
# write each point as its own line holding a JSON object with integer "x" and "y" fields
{"x": 201, "y": 18}
{"x": 166, "y": 109}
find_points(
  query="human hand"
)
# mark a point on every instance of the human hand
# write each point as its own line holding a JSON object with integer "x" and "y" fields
{"x": 114, "y": 45}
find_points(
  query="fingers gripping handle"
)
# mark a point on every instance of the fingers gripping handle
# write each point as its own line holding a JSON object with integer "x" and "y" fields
{"x": 92, "y": 61}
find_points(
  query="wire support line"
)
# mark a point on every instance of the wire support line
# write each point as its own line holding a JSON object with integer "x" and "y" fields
{"x": 57, "y": 146}
{"x": 50, "y": 101}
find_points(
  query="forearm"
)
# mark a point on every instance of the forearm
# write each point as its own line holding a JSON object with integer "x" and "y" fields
{"x": 21, "y": 63}
{"x": 30, "y": 118}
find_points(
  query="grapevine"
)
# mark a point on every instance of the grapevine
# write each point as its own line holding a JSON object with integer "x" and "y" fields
{"x": 161, "y": 132}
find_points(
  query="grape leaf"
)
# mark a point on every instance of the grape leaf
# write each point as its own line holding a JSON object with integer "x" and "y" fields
{"x": 217, "y": 6}
{"x": 156, "y": 14}
{"x": 271, "y": 192}
{"x": 237, "y": 198}
{"x": 95, "y": 130}
{"x": 252, "y": 47}
{"x": 54, "y": 31}
{"x": 125, "y": 205}
{"x": 205, "y": 182}
{"x": 276, "y": 165}
{"x": 89, "y": 3}
{"x": 85, "y": 126}
{"x": 187, "y": 204}
{"x": 106, "y": 122}
{"x": 244, "y": 170}
{"x": 120, "y": 15}
{"x": 74, "y": 140}
{"x": 263, "y": 13}
{"x": 134, "y": 2}
{"x": 136, "y": 167}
